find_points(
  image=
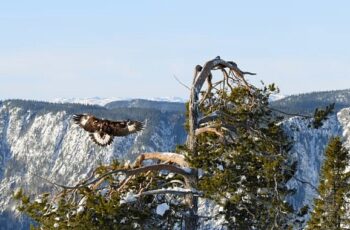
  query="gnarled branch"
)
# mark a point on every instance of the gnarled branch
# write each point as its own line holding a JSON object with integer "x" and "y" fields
{"x": 162, "y": 156}
{"x": 176, "y": 191}
{"x": 127, "y": 172}
{"x": 210, "y": 130}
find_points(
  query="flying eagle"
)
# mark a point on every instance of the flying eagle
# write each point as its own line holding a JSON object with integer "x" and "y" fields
{"x": 102, "y": 131}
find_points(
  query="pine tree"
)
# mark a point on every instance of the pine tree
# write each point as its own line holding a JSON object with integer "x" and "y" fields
{"x": 245, "y": 168}
{"x": 330, "y": 207}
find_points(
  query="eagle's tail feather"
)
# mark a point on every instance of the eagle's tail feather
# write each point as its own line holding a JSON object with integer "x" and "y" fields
{"x": 101, "y": 139}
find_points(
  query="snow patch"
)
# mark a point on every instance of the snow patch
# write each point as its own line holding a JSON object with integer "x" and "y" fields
{"x": 162, "y": 208}
{"x": 128, "y": 198}
{"x": 80, "y": 209}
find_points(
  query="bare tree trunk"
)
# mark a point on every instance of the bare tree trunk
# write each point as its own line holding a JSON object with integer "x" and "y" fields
{"x": 202, "y": 74}
{"x": 191, "y": 219}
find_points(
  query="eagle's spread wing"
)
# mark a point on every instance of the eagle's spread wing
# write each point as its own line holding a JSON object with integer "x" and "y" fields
{"x": 123, "y": 128}
{"x": 103, "y": 131}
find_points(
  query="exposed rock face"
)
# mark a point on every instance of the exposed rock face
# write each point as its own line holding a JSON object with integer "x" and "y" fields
{"x": 308, "y": 150}
{"x": 44, "y": 140}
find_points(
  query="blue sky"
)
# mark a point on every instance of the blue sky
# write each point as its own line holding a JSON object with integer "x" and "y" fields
{"x": 52, "y": 49}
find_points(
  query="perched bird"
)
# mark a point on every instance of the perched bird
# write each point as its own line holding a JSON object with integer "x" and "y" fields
{"x": 103, "y": 131}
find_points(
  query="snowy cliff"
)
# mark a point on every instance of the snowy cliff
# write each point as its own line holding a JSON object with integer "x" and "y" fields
{"x": 308, "y": 151}
{"x": 40, "y": 138}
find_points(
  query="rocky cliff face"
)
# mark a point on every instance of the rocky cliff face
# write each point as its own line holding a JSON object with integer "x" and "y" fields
{"x": 43, "y": 140}
{"x": 308, "y": 151}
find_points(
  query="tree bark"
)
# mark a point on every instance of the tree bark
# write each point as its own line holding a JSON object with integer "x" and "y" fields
{"x": 201, "y": 75}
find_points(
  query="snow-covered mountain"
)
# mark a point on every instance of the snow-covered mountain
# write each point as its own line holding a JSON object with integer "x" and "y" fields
{"x": 148, "y": 104}
{"x": 40, "y": 138}
{"x": 88, "y": 101}
{"x": 103, "y": 101}
{"x": 308, "y": 151}
{"x": 276, "y": 97}
{"x": 307, "y": 102}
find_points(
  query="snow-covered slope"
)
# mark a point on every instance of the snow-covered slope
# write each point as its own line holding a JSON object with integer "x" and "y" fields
{"x": 148, "y": 104}
{"x": 42, "y": 139}
{"x": 276, "y": 97}
{"x": 87, "y": 101}
{"x": 308, "y": 151}
{"x": 307, "y": 102}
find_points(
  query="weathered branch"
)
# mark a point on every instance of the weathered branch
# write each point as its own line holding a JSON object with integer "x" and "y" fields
{"x": 176, "y": 191}
{"x": 210, "y": 117}
{"x": 207, "y": 93}
{"x": 208, "y": 129}
{"x": 183, "y": 84}
{"x": 210, "y": 65}
{"x": 162, "y": 156}
{"x": 226, "y": 77}
{"x": 127, "y": 172}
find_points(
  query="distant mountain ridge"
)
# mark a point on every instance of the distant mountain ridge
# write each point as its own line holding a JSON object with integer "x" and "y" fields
{"x": 307, "y": 102}
{"x": 148, "y": 104}
{"x": 103, "y": 101}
